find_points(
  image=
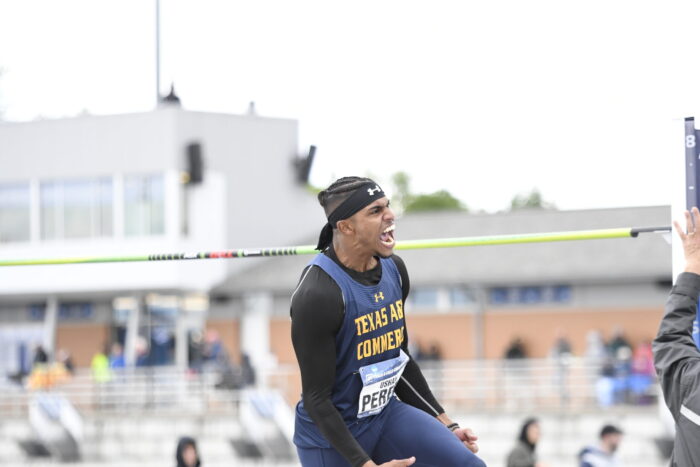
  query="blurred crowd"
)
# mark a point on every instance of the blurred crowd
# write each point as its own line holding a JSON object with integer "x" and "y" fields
{"x": 624, "y": 373}
{"x": 206, "y": 354}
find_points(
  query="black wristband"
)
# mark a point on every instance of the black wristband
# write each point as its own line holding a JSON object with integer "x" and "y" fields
{"x": 453, "y": 426}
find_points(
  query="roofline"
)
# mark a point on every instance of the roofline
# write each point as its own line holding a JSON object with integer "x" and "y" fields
{"x": 528, "y": 212}
{"x": 57, "y": 120}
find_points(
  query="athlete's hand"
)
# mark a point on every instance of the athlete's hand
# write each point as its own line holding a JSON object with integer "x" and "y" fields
{"x": 467, "y": 436}
{"x": 392, "y": 463}
{"x": 690, "y": 240}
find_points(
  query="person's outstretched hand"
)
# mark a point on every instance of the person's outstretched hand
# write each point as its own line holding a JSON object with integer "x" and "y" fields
{"x": 690, "y": 240}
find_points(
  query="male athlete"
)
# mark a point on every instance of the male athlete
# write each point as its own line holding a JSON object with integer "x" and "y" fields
{"x": 349, "y": 335}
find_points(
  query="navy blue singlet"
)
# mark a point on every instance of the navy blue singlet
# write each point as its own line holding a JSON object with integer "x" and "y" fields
{"x": 372, "y": 331}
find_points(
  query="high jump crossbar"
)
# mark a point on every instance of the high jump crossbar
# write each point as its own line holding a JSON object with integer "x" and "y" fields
{"x": 625, "y": 232}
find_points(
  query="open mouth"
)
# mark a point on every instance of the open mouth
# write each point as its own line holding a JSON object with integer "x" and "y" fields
{"x": 387, "y": 237}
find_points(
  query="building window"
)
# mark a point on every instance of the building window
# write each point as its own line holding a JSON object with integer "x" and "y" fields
{"x": 36, "y": 312}
{"x": 80, "y": 311}
{"x": 76, "y": 208}
{"x": 14, "y": 212}
{"x": 561, "y": 293}
{"x": 144, "y": 207}
{"x": 499, "y": 295}
{"x": 530, "y": 295}
{"x": 75, "y": 311}
{"x": 460, "y": 297}
{"x": 424, "y": 297}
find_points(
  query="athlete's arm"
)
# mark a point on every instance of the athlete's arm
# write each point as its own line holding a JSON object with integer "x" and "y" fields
{"x": 317, "y": 314}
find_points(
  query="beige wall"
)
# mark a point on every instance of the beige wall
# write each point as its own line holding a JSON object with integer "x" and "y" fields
{"x": 537, "y": 328}
{"x": 453, "y": 332}
{"x": 229, "y": 332}
{"x": 281, "y": 340}
{"x": 83, "y": 341}
{"x": 281, "y": 347}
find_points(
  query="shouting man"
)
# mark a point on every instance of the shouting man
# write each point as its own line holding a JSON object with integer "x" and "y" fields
{"x": 349, "y": 335}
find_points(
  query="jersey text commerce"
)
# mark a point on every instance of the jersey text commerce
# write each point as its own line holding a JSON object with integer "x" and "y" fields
{"x": 377, "y": 320}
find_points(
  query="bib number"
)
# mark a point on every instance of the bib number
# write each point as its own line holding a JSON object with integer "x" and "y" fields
{"x": 378, "y": 383}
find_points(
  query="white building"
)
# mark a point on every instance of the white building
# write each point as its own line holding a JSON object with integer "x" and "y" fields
{"x": 113, "y": 185}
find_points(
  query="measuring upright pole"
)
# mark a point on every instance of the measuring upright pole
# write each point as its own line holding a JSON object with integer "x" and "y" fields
{"x": 692, "y": 176}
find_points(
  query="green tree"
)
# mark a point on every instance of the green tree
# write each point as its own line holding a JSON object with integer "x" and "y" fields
{"x": 405, "y": 200}
{"x": 441, "y": 200}
{"x": 532, "y": 200}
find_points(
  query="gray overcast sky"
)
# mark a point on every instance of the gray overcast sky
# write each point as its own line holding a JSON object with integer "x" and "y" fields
{"x": 485, "y": 99}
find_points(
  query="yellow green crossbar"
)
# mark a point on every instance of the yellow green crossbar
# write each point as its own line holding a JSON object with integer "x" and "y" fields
{"x": 310, "y": 249}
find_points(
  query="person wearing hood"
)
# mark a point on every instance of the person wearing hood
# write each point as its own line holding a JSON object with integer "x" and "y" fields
{"x": 603, "y": 455}
{"x": 186, "y": 454}
{"x": 523, "y": 454}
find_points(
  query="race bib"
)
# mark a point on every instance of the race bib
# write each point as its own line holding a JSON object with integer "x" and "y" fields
{"x": 378, "y": 383}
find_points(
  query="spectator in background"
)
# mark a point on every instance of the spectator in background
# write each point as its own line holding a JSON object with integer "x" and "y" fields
{"x": 561, "y": 347}
{"x": 65, "y": 359}
{"x": 605, "y": 385}
{"x": 247, "y": 371}
{"x": 643, "y": 372}
{"x": 40, "y": 356}
{"x": 186, "y": 453}
{"x": 523, "y": 454}
{"x": 596, "y": 350}
{"x": 516, "y": 350}
{"x": 618, "y": 342}
{"x": 434, "y": 353}
{"x": 195, "y": 350}
{"x": 116, "y": 356}
{"x": 101, "y": 376}
{"x": 213, "y": 348}
{"x": 100, "y": 367}
{"x": 433, "y": 363}
{"x": 561, "y": 354}
{"x": 623, "y": 370}
{"x": 603, "y": 455}
{"x": 643, "y": 359}
{"x": 143, "y": 357}
{"x": 515, "y": 373}
{"x": 415, "y": 349}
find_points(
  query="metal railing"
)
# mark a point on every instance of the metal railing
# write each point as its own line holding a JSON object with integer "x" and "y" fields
{"x": 492, "y": 385}
{"x": 542, "y": 384}
{"x": 155, "y": 389}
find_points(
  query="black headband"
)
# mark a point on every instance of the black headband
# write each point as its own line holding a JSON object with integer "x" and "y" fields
{"x": 361, "y": 197}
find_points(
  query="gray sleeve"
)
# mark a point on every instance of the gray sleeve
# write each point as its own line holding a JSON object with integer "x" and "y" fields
{"x": 676, "y": 358}
{"x": 520, "y": 457}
